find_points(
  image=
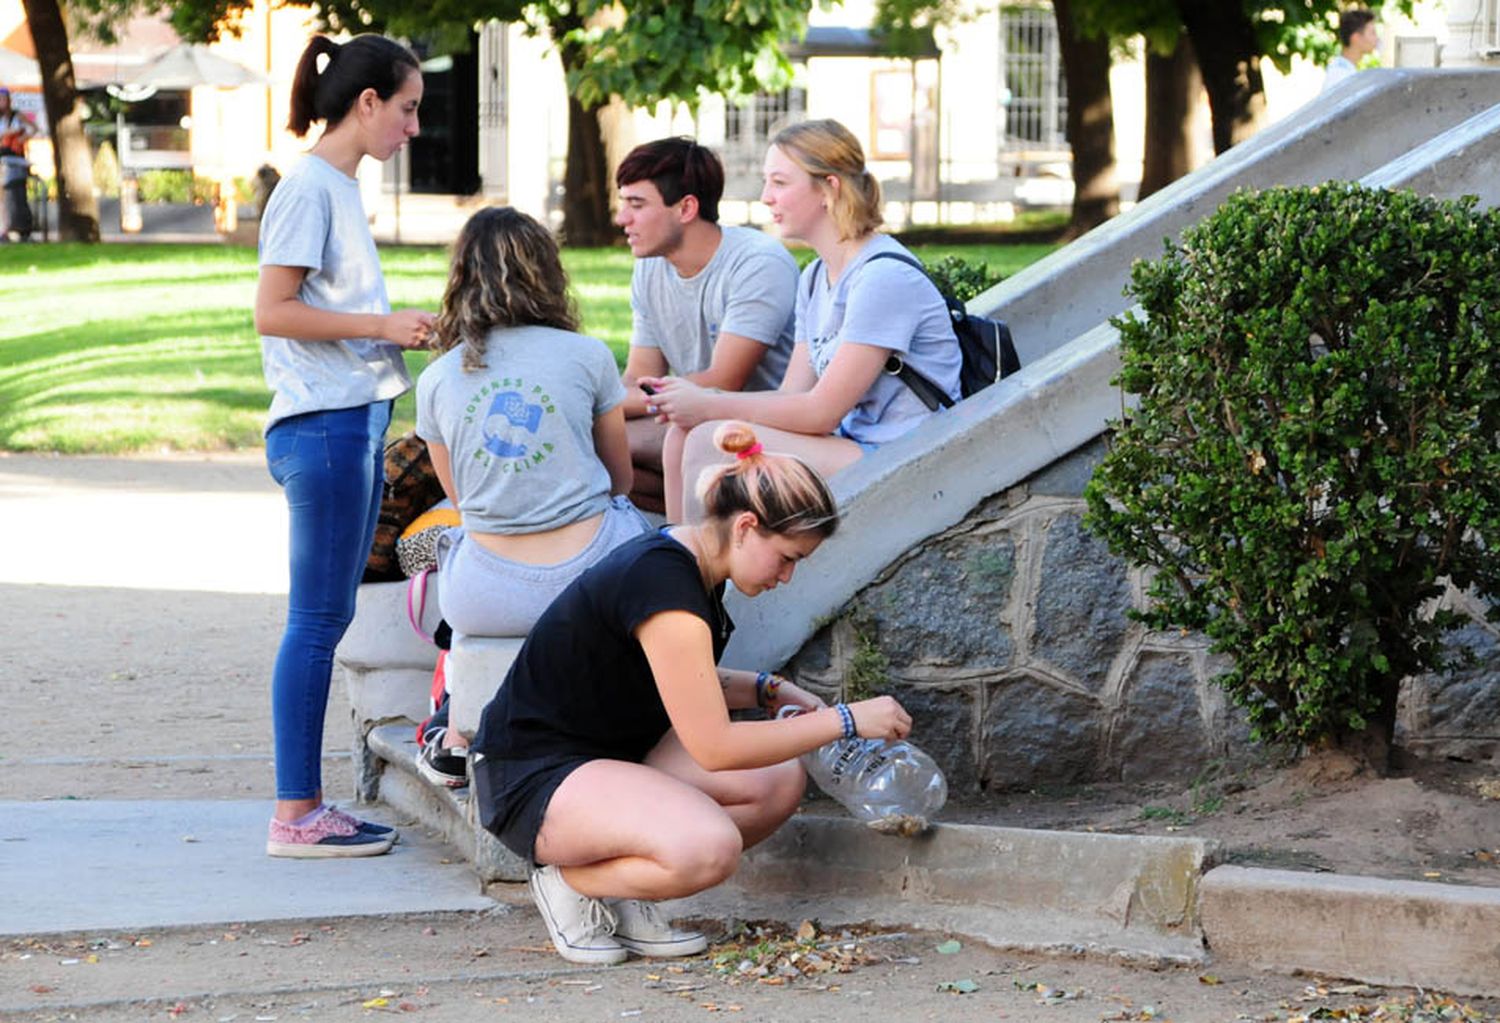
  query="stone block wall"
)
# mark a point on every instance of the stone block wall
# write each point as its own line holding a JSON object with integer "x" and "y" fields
{"x": 1008, "y": 640}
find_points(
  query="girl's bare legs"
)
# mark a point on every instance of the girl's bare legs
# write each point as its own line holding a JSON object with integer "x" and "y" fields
{"x": 826, "y": 453}
{"x": 664, "y": 829}
{"x": 671, "y": 471}
{"x": 758, "y": 801}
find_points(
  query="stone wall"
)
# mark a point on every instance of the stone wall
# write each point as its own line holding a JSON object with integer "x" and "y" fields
{"x": 1007, "y": 638}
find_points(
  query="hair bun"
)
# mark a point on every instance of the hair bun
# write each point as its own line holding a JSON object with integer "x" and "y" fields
{"x": 734, "y": 437}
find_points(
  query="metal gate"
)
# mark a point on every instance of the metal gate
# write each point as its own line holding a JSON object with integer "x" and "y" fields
{"x": 1033, "y": 89}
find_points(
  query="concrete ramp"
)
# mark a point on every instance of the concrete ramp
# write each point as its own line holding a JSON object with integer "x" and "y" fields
{"x": 1367, "y": 122}
{"x": 931, "y": 480}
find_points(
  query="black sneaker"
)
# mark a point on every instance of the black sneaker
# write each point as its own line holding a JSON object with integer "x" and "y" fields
{"x": 446, "y": 767}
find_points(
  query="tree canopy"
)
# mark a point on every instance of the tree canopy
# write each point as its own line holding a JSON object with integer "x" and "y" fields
{"x": 1229, "y": 37}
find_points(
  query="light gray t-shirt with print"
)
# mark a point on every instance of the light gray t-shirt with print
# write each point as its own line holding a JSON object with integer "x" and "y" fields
{"x": 887, "y": 304}
{"x": 315, "y": 219}
{"x": 520, "y": 433}
{"x": 748, "y": 288}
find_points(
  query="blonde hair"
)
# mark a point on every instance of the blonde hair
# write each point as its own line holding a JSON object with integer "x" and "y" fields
{"x": 506, "y": 272}
{"x": 826, "y": 148}
{"x": 784, "y": 493}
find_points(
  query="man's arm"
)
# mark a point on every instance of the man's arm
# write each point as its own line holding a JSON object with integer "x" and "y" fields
{"x": 643, "y": 361}
{"x": 735, "y": 358}
{"x": 757, "y": 313}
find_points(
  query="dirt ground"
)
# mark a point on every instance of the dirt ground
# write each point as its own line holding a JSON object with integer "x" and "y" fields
{"x": 459, "y": 968}
{"x": 148, "y": 691}
{"x": 1427, "y": 820}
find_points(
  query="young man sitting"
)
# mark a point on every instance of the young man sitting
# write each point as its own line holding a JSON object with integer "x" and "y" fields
{"x": 712, "y": 304}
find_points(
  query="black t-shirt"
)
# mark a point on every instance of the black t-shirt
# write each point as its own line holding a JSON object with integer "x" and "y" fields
{"x": 581, "y": 684}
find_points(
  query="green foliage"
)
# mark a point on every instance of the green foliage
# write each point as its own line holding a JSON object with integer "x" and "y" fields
{"x": 868, "y": 672}
{"x": 1314, "y": 450}
{"x": 178, "y": 186}
{"x": 641, "y": 50}
{"x": 906, "y": 25}
{"x": 735, "y": 49}
{"x": 962, "y": 278}
{"x": 1283, "y": 28}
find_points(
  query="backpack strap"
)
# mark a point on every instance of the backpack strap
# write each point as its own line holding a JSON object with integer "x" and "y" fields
{"x": 929, "y": 393}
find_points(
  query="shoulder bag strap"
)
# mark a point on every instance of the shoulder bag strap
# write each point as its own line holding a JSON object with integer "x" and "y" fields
{"x": 929, "y": 393}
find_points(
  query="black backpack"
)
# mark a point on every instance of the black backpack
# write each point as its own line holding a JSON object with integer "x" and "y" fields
{"x": 988, "y": 351}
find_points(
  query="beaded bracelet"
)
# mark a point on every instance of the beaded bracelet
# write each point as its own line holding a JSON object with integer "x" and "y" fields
{"x": 847, "y": 717}
{"x": 766, "y": 687}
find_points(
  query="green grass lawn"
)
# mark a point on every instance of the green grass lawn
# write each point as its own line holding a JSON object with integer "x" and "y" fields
{"x": 145, "y": 347}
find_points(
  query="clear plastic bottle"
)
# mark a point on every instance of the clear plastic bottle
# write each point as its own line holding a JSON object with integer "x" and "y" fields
{"x": 890, "y": 784}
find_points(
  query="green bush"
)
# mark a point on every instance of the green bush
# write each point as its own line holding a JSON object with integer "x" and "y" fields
{"x": 962, "y": 278}
{"x": 178, "y": 186}
{"x": 1314, "y": 452}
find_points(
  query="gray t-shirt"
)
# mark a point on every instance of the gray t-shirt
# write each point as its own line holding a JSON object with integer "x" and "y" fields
{"x": 748, "y": 288}
{"x": 520, "y": 433}
{"x": 889, "y": 305}
{"x": 315, "y": 219}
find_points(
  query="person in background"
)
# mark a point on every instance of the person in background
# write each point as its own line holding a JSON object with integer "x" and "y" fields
{"x": 332, "y": 353}
{"x": 1358, "y": 38}
{"x": 854, "y": 313}
{"x": 16, "y": 129}
{"x": 523, "y": 420}
{"x": 710, "y": 304}
{"x": 609, "y": 757}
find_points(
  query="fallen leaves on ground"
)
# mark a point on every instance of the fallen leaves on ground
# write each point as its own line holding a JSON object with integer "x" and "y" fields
{"x": 1417, "y": 1008}
{"x": 1046, "y": 993}
{"x": 958, "y": 987}
{"x": 769, "y": 954}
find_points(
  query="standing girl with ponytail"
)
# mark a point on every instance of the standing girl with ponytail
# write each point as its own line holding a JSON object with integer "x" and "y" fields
{"x": 331, "y": 349}
{"x": 609, "y": 757}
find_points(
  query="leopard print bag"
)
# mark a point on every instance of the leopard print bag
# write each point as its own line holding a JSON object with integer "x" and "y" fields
{"x": 411, "y": 487}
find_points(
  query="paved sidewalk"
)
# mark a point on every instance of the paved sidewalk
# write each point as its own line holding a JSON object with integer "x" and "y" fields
{"x": 104, "y": 865}
{"x": 143, "y": 600}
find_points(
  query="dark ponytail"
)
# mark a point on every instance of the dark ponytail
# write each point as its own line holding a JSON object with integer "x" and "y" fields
{"x": 364, "y": 62}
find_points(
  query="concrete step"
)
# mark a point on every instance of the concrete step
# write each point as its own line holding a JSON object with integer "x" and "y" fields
{"x": 1399, "y": 933}
{"x": 1132, "y": 897}
{"x": 449, "y": 812}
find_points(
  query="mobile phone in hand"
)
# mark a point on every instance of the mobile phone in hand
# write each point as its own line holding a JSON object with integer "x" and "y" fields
{"x": 648, "y": 389}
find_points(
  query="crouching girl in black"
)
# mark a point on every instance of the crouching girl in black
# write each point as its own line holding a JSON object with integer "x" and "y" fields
{"x": 609, "y": 757}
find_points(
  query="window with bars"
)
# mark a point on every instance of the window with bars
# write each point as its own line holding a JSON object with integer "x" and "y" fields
{"x": 748, "y": 128}
{"x": 1034, "y": 93}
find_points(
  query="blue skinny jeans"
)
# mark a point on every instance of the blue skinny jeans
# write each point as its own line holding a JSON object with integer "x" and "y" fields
{"x": 331, "y": 467}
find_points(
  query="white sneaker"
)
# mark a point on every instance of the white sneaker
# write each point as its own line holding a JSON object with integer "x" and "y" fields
{"x": 641, "y": 928}
{"x": 581, "y": 927}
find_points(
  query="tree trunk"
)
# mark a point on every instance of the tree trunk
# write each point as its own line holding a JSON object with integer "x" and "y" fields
{"x": 1224, "y": 41}
{"x": 586, "y": 220}
{"x": 1172, "y": 86}
{"x": 77, "y": 209}
{"x": 1091, "y": 124}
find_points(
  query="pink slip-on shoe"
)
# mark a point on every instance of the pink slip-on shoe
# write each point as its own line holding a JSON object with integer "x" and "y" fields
{"x": 329, "y": 834}
{"x": 368, "y": 827}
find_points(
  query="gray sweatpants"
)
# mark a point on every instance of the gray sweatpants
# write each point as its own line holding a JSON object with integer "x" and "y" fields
{"x": 483, "y": 594}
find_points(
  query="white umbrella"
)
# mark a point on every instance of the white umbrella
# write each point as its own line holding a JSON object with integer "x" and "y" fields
{"x": 187, "y": 65}
{"x": 18, "y": 69}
